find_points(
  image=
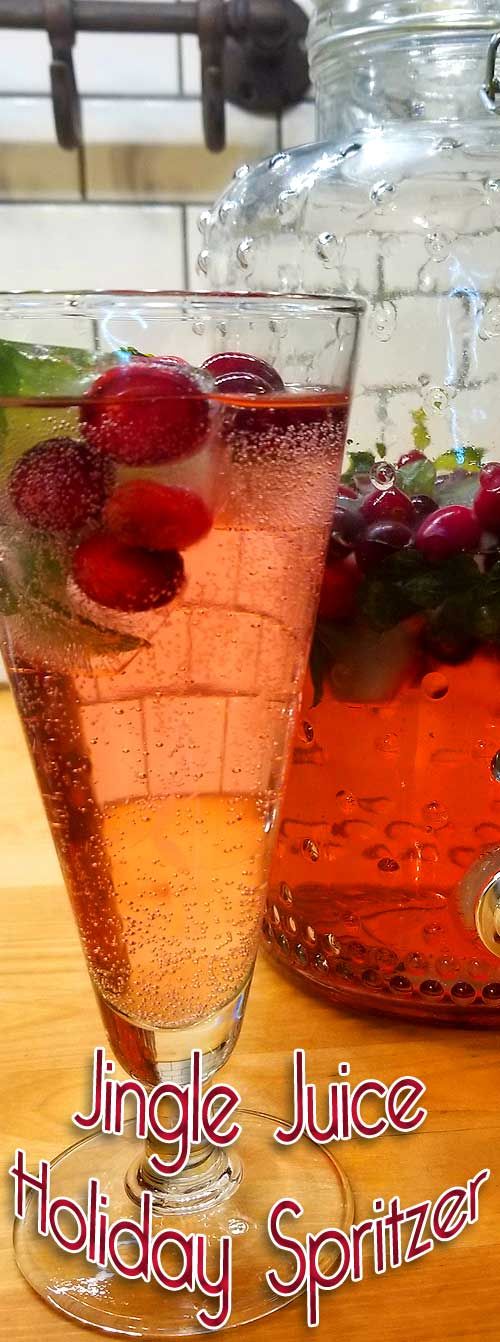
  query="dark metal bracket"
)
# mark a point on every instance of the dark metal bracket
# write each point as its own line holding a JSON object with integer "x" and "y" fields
{"x": 252, "y": 51}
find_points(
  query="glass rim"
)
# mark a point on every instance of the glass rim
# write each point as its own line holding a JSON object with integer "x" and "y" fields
{"x": 174, "y": 302}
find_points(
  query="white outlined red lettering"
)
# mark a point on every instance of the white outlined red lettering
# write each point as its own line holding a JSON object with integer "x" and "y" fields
{"x": 344, "y": 1107}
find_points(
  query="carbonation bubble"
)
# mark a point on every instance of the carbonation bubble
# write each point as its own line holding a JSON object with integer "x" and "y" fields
{"x": 278, "y": 161}
{"x": 382, "y": 195}
{"x": 244, "y": 253}
{"x": 289, "y": 205}
{"x": 226, "y": 210}
{"x": 373, "y": 979}
{"x": 432, "y": 931}
{"x": 383, "y": 318}
{"x": 242, "y": 171}
{"x": 492, "y": 187}
{"x": 416, "y": 962}
{"x": 400, "y": 984}
{"x": 310, "y": 935}
{"x": 331, "y": 944}
{"x": 436, "y": 399}
{"x": 388, "y": 743}
{"x": 434, "y": 685}
{"x": 463, "y": 991}
{"x": 204, "y": 221}
{"x": 329, "y": 249}
{"x": 310, "y": 850}
{"x": 321, "y": 963}
{"x": 300, "y": 954}
{"x": 491, "y": 992}
{"x": 202, "y": 261}
{"x": 435, "y": 815}
{"x": 308, "y": 731}
{"x": 285, "y": 893}
{"x": 283, "y": 943}
{"x": 490, "y": 325}
{"x": 495, "y": 767}
{"x": 447, "y": 145}
{"x": 431, "y": 988}
{"x": 388, "y": 864}
{"x": 382, "y": 475}
{"x": 447, "y": 965}
{"x": 438, "y": 245}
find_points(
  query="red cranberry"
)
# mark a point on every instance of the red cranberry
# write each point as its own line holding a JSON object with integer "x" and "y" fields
{"x": 158, "y": 517}
{"x": 338, "y": 591}
{"x": 381, "y": 540}
{"x": 388, "y": 503}
{"x": 126, "y": 579}
{"x": 408, "y": 457}
{"x": 347, "y": 525}
{"x": 487, "y": 504}
{"x": 145, "y": 411}
{"x": 422, "y": 505}
{"x": 447, "y": 531}
{"x": 234, "y": 364}
{"x": 347, "y": 492}
{"x": 490, "y": 475}
{"x": 60, "y": 484}
{"x": 245, "y": 383}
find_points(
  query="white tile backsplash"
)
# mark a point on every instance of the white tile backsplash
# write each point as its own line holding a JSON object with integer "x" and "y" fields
{"x": 26, "y": 120}
{"x": 139, "y": 63}
{"x": 174, "y": 121}
{"x": 91, "y": 246}
{"x": 133, "y": 63}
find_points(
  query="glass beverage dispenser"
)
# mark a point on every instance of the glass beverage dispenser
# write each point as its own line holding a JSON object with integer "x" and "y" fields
{"x": 385, "y": 890}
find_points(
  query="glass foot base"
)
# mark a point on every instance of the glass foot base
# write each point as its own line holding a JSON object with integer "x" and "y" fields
{"x": 103, "y": 1299}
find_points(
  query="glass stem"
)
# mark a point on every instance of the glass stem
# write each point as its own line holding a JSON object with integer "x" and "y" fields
{"x": 210, "y": 1175}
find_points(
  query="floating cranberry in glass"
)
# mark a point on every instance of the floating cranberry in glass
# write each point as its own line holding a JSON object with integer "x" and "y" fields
{"x": 234, "y": 365}
{"x": 157, "y": 516}
{"x": 124, "y": 578}
{"x": 60, "y": 484}
{"x": 146, "y": 411}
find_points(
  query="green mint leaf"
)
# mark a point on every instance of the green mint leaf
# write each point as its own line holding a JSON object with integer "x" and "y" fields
{"x": 417, "y": 477}
{"x": 68, "y": 629}
{"x": 471, "y": 458}
{"x": 48, "y": 370}
{"x": 360, "y": 463}
{"x": 383, "y": 603}
{"x": 420, "y": 433}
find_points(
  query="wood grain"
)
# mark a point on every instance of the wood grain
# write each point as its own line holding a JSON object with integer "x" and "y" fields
{"x": 50, "y": 1025}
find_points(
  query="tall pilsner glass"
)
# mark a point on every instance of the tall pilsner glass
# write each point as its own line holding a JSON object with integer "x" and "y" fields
{"x": 164, "y": 518}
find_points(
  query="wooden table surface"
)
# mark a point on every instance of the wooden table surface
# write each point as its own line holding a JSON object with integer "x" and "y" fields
{"x": 49, "y": 1025}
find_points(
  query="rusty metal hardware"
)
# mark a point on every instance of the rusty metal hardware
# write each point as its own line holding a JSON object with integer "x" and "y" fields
{"x": 491, "y": 86}
{"x": 252, "y": 51}
{"x": 65, "y": 101}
